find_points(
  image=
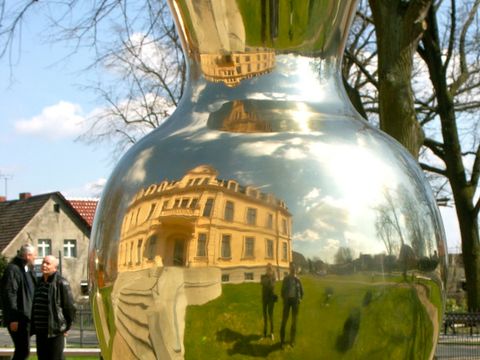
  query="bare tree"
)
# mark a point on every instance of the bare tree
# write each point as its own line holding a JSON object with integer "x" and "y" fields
{"x": 445, "y": 84}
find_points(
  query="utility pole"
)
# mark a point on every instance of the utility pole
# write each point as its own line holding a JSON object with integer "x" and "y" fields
{"x": 5, "y": 178}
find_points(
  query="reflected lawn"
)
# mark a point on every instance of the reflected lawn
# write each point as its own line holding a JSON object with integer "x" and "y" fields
{"x": 340, "y": 317}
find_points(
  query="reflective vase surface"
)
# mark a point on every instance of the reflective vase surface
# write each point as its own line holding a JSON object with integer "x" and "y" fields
{"x": 265, "y": 218}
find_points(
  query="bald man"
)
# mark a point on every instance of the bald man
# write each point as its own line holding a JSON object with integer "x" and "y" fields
{"x": 53, "y": 311}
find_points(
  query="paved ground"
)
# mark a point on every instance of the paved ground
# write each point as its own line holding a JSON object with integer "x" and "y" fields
{"x": 89, "y": 338}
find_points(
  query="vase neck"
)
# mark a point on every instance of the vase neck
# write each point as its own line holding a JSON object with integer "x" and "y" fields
{"x": 232, "y": 40}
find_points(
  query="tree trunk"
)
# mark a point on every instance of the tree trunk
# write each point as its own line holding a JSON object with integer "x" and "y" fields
{"x": 451, "y": 154}
{"x": 399, "y": 26}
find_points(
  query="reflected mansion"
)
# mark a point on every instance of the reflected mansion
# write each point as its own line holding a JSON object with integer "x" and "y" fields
{"x": 202, "y": 221}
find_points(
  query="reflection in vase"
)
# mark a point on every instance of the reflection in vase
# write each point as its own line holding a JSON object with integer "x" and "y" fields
{"x": 179, "y": 240}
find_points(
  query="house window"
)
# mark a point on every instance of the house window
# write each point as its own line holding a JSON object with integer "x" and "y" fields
{"x": 139, "y": 251}
{"x": 284, "y": 251}
{"x": 151, "y": 247}
{"x": 229, "y": 209}
{"x": 226, "y": 250}
{"x": 207, "y": 210}
{"x": 270, "y": 221}
{"x": 56, "y": 208}
{"x": 84, "y": 288}
{"x": 202, "y": 245}
{"x": 269, "y": 249}
{"x": 251, "y": 216}
{"x": 249, "y": 247}
{"x": 248, "y": 276}
{"x": 44, "y": 247}
{"x": 70, "y": 248}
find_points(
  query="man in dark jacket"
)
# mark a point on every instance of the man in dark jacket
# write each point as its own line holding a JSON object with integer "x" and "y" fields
{"x": 17, "y": 295}
{"x": 53, "y": 311}
{"x": 292, "y": 294}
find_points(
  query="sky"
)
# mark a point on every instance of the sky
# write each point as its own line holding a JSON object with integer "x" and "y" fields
{"x": 43, "y": 111}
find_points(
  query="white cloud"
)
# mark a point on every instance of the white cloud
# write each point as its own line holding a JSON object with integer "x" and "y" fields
{"x": 92, "y": 189}
{"x": 61, "y": 120}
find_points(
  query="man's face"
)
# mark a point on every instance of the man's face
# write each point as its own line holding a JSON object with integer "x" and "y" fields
{"x": 30, "y": 257}
{"x": 49, "y": 265}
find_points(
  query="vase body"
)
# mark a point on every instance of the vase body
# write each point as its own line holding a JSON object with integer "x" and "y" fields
{"x": 265, "y": 163}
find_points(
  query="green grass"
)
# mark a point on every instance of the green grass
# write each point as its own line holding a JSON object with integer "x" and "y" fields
{"x": 362, "y": 319}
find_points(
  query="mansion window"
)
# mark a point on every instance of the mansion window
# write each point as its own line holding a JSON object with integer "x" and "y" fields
{"x": 248, "y": 276}
{"x": 229, "y": 209}
{"x": 197, "y": 181}
{"x": 284, "y": 251}
{"x": 151, "y": 247}
{"x": 226, "y": 251}
{"x": 251, "y": 216}
{"x": 284, "y": 226}
{"x": 249, "y": 251}
{"x": 44, "y": 247}
{"x": 202, "y": 245}
{"x": 139, "y": 251}
{"x": 131, "y": 253}
{"x": 184, "y": 203}
{"x": 176, "y": 203}
{"x": 269, "y": 249}
{"x": 207, "y": 210}
{"x": 70, "y": 248}
{"x": 225, "y": 277}
{"x": 193, "y": 203}
{"x": 270, "y": 221}
{"x": 152, "y": 210}
{"x": 165, "y": 205}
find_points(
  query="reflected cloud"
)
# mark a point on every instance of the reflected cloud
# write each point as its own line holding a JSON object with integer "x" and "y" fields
{"x": 137, "y": 173}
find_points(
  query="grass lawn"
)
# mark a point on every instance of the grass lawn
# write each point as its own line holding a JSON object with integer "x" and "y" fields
{"x": 340, "y": 317}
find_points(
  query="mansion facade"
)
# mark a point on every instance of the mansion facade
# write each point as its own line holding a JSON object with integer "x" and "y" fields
{"x": 202, "y": 221}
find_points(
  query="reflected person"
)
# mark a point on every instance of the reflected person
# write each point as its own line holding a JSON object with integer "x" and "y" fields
{"x": 292, "y": 294}
{"x": 268, "y": 299}
{"x": 53, "y": 311}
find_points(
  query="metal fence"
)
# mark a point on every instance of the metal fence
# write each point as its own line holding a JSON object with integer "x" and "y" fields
{"x": 82, "y": 333}
{"x": 460, "y": 337}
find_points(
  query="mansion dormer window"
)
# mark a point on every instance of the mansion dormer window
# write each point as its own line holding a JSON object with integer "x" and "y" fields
{"x": 251, "y": 216}
{"x": 229, "y": 211}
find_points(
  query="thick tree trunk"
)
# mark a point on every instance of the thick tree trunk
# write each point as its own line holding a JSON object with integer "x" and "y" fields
{"x": 451, "y": 154}
{"x": 399, "y": 26}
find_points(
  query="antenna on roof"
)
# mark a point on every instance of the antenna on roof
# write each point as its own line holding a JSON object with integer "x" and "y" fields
{"x": 5, "y": 178}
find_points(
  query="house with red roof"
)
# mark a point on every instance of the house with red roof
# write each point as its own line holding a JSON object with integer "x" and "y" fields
{"x": 55, "y": 226}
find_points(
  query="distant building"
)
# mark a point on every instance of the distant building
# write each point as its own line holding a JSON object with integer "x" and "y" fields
{"x": 202, "y": 221}
{"x": 54, "y": 226}
{"x": 234, "y": 67}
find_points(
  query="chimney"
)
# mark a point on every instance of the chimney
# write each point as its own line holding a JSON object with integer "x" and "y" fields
{"x": 3, "y": 199}
{"x": 24, "y": 195}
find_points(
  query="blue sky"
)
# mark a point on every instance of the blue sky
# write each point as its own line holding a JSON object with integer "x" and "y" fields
{"x": 43, "y": 107}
